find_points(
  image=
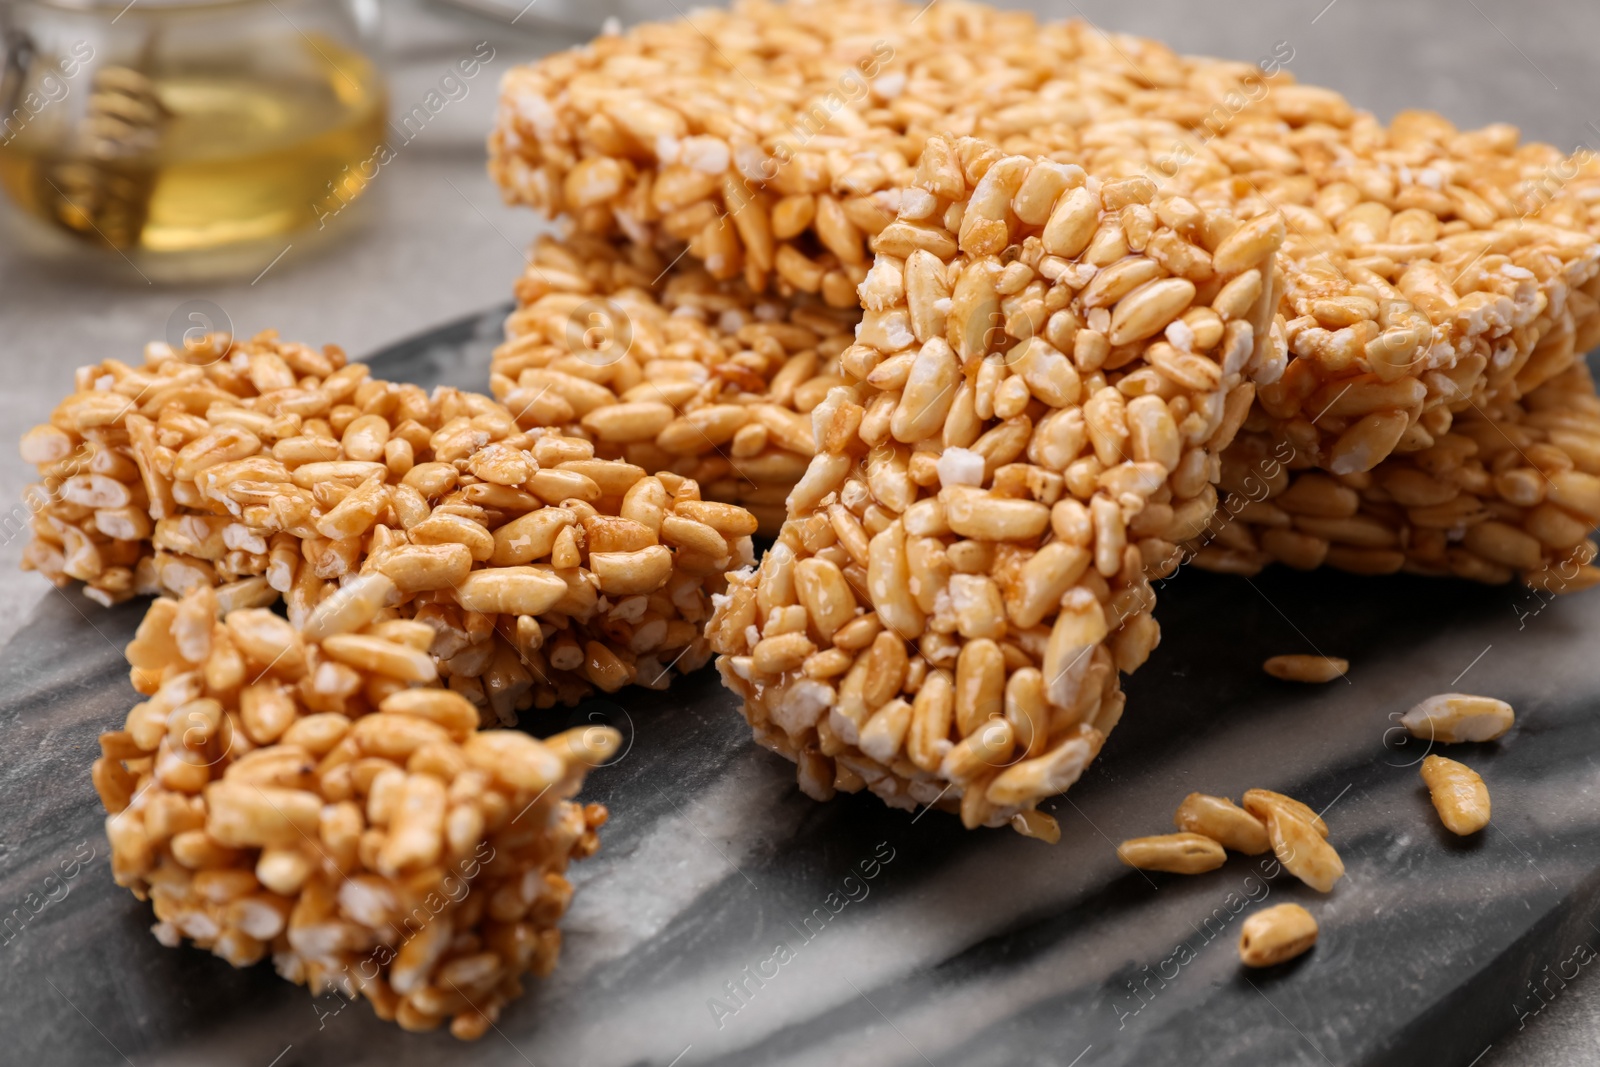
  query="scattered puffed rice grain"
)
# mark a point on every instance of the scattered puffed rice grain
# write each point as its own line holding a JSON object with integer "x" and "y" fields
{"x": 1458, "y": 793}
{"x": 1176, "y": 853}
{"x": 1034, "y": 823}
{"x": 1302, "y": 851}
{"x": 1306, "y": 668}
{"x": 1276, "y": 934}
{"x": 1259, "y": 802}
{"x": 1224, "y": 822}
{"x": 1457, "y": 717}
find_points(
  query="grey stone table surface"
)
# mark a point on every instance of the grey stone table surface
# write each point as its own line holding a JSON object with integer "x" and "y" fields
{"x": 432, "y": 242}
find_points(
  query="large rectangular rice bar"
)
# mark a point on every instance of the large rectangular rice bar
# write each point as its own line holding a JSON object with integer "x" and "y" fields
{"x": 1415, "y": 253}
{"x": 268, "y": 468}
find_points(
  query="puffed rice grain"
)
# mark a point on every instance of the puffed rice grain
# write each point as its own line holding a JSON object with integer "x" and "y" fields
{"x": 1275, "y": 935}
{"x": 1458, "y": 794}
{"x": 1303, "y": 850}
{"x": 1453, "y": 718}
{"x": 1306, "y": 668}
{"x": 1176, "y": 853}
{"x": 1224, "y": 822}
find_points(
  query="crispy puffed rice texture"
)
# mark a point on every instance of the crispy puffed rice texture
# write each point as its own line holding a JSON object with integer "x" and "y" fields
{"x": 667, "y": 368}
{"x": 1507, "y": 491}
{"x": 324, "y": 802}
{"x": 265, "y": 468}
{"x": 1419, "y": 257}
{"x": 966, "y": 566}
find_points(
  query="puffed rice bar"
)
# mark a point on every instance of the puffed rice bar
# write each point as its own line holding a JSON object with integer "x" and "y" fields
{"x": 266, "y": 467}
{"x": 327, "y": 803}
{"x": 966, "y": 564}
{"x": 775, "y": 141}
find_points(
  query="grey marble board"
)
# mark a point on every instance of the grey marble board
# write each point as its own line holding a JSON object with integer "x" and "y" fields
{"x": 729, "y": 920}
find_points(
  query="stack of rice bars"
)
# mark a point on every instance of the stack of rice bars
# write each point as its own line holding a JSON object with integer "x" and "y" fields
{"x": 1038, "y": 292}
{"x": 973, "y": 315}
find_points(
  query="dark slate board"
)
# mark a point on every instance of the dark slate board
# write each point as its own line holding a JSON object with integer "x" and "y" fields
{"x": 906, "y": 939}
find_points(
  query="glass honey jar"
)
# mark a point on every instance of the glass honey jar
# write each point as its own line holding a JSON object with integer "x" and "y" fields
{"x": 175, "y": 130}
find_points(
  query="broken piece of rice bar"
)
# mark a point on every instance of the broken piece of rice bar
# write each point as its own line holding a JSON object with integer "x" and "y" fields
{"x": 268, "y": 468}
{"x": 325, "y": 802}
{"x": 669, "y": 369}
{"x": 1510, "y": 491}
{"x": 966, "y": 565}
{"x": 1418, "y": 254}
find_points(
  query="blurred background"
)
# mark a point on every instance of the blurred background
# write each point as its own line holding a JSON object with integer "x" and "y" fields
{"x": 100, "y": 252}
